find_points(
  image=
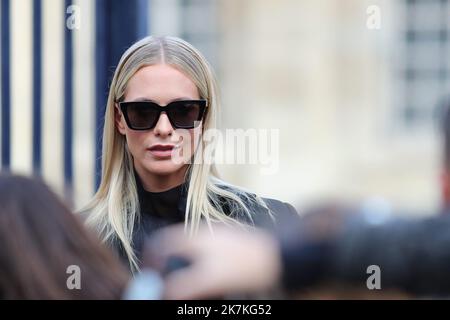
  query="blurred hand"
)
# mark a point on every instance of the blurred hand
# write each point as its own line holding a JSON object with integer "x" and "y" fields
{"x": 226, "y": 262}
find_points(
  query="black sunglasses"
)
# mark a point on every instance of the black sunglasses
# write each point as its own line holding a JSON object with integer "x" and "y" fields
{"x": 143, "y": 115}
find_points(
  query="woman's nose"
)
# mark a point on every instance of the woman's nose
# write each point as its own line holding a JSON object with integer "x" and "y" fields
{"x": 163, "y": 126}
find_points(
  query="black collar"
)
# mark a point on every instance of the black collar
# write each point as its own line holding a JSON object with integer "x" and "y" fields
{"x": 168, "y": 205}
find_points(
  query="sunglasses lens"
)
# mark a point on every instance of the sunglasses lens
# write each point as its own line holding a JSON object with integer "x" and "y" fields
{"x": 185, "y": 114}
{"x": 141, "y": 116}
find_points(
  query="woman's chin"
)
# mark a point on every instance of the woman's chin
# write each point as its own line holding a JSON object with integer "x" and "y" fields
{"x": 163, "y": 167}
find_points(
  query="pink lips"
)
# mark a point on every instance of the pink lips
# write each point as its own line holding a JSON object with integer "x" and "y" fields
{"x": 161, "y": 150}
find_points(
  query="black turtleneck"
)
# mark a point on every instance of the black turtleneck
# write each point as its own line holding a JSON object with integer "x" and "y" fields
{"x": 163, "y": 205}
{"x": 157, "y": 210}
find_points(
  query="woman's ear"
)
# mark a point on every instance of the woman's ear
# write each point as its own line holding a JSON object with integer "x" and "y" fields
{"x": 118, "y": 120}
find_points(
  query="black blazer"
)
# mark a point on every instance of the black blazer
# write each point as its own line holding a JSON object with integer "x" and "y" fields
{"x": 150, "y": 221}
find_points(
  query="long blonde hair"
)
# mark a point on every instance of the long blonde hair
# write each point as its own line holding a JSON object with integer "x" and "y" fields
{"x": 115, "y": 206}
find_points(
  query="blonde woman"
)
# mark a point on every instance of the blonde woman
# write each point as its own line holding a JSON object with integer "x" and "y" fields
{"x": 162, "y": 98}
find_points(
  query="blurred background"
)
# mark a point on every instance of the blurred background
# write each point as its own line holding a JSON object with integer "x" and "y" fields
{"x": 354, "y": 87}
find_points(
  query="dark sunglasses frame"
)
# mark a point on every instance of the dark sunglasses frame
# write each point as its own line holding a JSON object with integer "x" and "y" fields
{"x": 167, "y": 109}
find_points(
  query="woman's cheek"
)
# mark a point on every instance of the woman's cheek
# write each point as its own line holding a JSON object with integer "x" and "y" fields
{"x": 135, "y": 142}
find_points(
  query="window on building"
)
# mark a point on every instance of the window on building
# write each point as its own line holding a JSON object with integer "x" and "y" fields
{"x": 424, "y": 70}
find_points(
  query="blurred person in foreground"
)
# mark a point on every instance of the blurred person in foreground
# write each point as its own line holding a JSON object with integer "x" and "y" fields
{"x": 445, "y": 168}
{"x": 40, "y": 238}
{"x": 332, "y": 247}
